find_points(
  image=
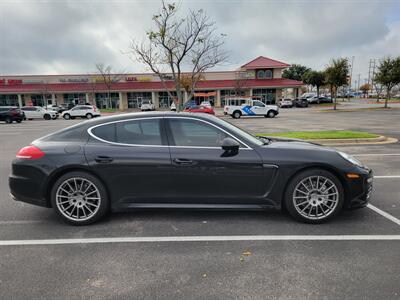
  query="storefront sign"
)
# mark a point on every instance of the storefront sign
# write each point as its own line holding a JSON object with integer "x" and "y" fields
{"x": 130, "y": 78}
{"x": 73, "y": 80}
{"x": 10, "y": 81}
{"x": 32, "y": 81}
{"x": 167, "y": 77}
{"x": 143, "y": 78}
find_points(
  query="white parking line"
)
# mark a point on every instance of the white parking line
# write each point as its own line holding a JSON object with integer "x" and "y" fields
{"x": 384, "y": 214}
{"x": 20, "y": 222}
{"x": 162, "y": 239}
{"x": 377, "y": 154}
{"x": 386, "y": 176}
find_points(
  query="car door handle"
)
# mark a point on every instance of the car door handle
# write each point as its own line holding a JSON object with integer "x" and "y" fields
{"x": 103, "y": 159}
{"x": 183, "y": 161}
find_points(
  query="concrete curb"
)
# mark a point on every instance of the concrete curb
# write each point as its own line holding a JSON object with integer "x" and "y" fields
{"x": 360, "y": 141}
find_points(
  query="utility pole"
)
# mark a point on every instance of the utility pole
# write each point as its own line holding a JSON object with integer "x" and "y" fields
{"x": 351, "y": 75}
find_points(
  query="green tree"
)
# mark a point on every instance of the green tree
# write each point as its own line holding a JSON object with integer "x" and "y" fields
{"x": 314, "y": 78}
{"x": 388, "y": 75}
{"x": 336, "y": 76}
{"x": 295, "y": 72}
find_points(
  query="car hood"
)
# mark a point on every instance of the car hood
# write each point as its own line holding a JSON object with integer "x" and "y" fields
{"x": 296, "y": 144}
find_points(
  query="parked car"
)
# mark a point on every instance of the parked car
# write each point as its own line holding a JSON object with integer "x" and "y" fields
{"x": 135, "y": 161}
{"x": 320, "y": 99}
{"x": 206, "y": 104}
{"x": 56, "y": 108}
{"x": 81, "y": 111}
{"x": 286, "y": 103}
{"x": 200, "y": 109}
{"x": 308, "y": 95}
{"x": 68, "y": 106}
{"x": 10, "y": 114}
{"x": 38, "y": 112}
{"x": 147, "y": 105}
{"x": 300, "y": 102}
{"x": 251, "y": 108}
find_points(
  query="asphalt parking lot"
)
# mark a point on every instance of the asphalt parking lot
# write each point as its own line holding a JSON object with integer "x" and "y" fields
{"x": 205, "y": 254}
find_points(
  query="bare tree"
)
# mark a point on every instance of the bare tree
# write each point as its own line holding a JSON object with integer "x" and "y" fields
{"x": 176, "y": 43}
{"x": 108, "y": 78}
{"x": 240, "y": 84}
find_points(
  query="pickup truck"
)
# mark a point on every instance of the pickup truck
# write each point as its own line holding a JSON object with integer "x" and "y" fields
{"x": 251, "y": 108}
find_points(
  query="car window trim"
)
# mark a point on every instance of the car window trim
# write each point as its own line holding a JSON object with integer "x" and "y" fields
{"x": 89, "y": 131}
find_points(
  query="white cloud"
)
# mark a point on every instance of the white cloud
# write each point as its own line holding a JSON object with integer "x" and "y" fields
{"x": 69, "y": 37}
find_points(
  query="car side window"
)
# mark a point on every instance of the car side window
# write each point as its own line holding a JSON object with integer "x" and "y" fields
{"x": 258, "y": 103}
{"x": 105, "y": 132}
{"x": 139, "y": 132}
{"x": 186, "y": 132}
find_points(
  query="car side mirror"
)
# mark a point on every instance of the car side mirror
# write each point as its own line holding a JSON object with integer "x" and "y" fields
{"x": 230, "y": 145}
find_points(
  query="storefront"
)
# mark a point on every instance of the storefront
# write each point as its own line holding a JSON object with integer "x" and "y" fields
{"x": 135, "y": 99}
{"x": 103, "y": 101}
{"x": 261, "y": 77}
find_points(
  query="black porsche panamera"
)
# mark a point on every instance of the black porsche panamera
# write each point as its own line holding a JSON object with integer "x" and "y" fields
{"x": 183, "y": 160}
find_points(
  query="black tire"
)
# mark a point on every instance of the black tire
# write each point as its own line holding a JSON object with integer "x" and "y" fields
{"x": 47, "y": 117}
{"x": 103, "y": 206}
{"x": 19, "y": 121}
{"x": 314, "y": 205}
{"x": 8, "y": 120}
{"x": 89, "y": 116}
{"x": 67, "y": 116}
{"x": 271, "y": 114}
{"x": 236, "y": 114}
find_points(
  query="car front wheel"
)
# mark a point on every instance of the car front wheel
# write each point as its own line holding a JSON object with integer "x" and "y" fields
{"x": 79, "y": 198}
{"x": 314, "y": 196}
{"x": 271, "y": 114}
{"x": 67, "y": 116}
{"x": 47, "y": 117}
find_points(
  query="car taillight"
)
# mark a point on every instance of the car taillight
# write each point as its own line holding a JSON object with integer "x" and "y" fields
{"x": 30, "y": 152}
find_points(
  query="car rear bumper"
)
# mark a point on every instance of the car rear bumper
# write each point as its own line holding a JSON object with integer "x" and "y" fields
{"x": 26, "y": 190}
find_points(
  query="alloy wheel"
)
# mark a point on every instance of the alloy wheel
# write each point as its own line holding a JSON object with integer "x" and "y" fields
{"x": 315, "y": 197}
{"x": 78, "y": 199}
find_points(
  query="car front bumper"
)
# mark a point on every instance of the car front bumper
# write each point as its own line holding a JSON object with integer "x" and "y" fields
{"x": 366, "y": 188}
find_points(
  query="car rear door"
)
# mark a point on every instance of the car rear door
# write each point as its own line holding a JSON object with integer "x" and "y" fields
{"x": 132, "y": 157}
{"x": 205, "y": 174}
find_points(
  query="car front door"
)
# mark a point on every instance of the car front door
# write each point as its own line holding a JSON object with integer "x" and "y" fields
{"x": 259, "y": 108}
{"x": 132, "y": 157}
{"x": 204, "y": 173}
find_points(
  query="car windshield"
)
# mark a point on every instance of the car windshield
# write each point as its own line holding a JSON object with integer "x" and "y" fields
{"x": 241, "y": 133}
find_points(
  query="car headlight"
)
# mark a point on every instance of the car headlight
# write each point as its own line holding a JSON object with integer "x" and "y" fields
{"x": 351, "y": 159}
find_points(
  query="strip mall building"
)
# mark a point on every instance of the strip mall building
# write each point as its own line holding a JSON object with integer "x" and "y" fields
{"x": 260, "y": 77}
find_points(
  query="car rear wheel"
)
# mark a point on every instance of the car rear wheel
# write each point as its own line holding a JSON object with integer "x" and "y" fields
{"x": 237, "y": 114}
{"x": 314, "y": 196}
{"x": 8, "y": 120}
{"x": 67, "y": 116}
{"x": 79, "y": 198}
{"x": 47, "y": 117}
{"x": 89, "y": 116}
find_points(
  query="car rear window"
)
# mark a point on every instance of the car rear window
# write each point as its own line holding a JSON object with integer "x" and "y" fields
{"x": 105, "y": 132}
{"x": 132, "y": 132}
{"x": 139, "y": 132}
